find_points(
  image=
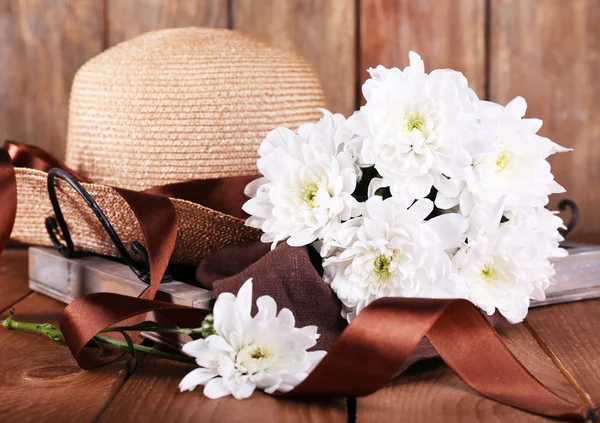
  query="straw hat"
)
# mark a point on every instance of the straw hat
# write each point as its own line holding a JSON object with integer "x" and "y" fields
{"x": 166, "y": 107}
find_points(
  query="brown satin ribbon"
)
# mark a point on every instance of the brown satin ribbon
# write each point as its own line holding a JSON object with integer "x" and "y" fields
{"x": 377, "y": 343}
{"x": 31, "y": 157}
{"x": 225, "y": 195}
{"x": 8, "y": 197}
{"x": 82, "y": 319}
{"x": 380, "y": 339}
{"x": 154, "y": 211}
{"x": 364, "y": 358}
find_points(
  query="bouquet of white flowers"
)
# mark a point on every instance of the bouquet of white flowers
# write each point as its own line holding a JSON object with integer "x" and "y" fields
{"x": 426, "y": 191}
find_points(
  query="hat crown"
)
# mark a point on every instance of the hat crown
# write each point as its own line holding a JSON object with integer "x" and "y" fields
{"x": 183, "y": 104}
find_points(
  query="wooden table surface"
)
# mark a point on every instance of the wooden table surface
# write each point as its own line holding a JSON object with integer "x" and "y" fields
{"x": 40, "y": 382}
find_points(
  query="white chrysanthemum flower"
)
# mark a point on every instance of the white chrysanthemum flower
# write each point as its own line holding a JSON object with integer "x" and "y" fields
{"x": 307, "y": 184}
{"x": 418, "y": 129}
{"x": 265, "y": 351}
{"x": 344, "y": 139}
{"x": 501, "y": 270}
{"x": 516, "y": 168}
{"x": 392, "y": 251}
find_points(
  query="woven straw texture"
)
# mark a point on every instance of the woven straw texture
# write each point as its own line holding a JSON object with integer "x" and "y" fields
{"x": 183, "y": 104}
{"x": 165, "y": 107}
{"x": 200, "y": 230}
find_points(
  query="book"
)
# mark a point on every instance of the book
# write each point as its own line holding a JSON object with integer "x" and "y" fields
{"x": 577, "y": 278}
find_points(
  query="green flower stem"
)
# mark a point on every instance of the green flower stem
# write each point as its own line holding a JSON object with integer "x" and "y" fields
{"x": 149, "y": 350}
{"x": 205, "y": 330}
{"x": 55, "y": 334}
{"x": 47, "y": 329}
{"x": 156, "y": 329}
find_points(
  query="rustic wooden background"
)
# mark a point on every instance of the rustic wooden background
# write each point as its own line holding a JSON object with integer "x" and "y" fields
{"x": 545, "y": 50}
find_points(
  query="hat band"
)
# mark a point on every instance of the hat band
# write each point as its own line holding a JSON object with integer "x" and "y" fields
{"x": 225, "y": 195}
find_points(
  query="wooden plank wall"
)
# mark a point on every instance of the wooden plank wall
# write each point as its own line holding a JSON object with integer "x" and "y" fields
{"x": 548, "y": 51}
{"x": 545, "y": 50}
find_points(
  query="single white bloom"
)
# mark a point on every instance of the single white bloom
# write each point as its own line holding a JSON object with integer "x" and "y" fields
{"x": 392, "y": 251}
{"x": 506, "y": 264}
{"x": 344, "y": 139}
{"x": 545, "y": 224}
{"x": 307, "y": 184}
{"x": 419, "y": 129}
{"x": 265, "y": 351}
{"x": 515, "y": 168}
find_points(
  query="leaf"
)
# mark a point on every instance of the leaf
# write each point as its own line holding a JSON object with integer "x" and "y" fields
{"x": 132, "y": 351}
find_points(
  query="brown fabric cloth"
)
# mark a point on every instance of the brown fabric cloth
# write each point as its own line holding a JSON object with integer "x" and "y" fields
{"x": 291, "y": 275}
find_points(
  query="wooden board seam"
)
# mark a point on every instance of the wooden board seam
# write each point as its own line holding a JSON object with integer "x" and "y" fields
{"x": 587, "y": 398}
{"x": 21, "y": 298}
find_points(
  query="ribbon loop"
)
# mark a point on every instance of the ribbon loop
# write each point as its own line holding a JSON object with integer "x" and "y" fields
{"x": 380, "y": 339}
{"x": 85, "y": 317}
{"x": 375, "y": 345}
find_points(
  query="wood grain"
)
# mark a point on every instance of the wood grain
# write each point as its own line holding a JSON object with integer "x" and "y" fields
{"x": 40, "y": 381}
{"x": 433, "y": 393}
{"x": 128, "y": 18}
{"x": 446, "y": 33}
{"x": 548, "y": 51}
{"x": 42, "y": 44}
{"x": 13, "y": 277}
{"x": 430, "y": 391}
{"x": 571, "y": 332}
{"x": 324, "y": 32}
{"x": 151, "y": 395}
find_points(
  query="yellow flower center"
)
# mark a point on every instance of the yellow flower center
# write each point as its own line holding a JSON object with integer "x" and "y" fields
{"x": 488, "y": 273}
{"x": 253, "y": 358}
{"x": 502, "y": 161}
{"x": 309, "y": 193}
{"x": 414, "y": 121}
{"x": 381, "y": 267}
{"x": 259, "y": 352}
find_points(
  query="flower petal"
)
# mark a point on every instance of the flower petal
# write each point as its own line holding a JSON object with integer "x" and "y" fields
{"x": 242, "y": 389}
{"x": 286, "y": 318}
{"x": 422, "y": 208}
{"x": 517, "y": 106}
{"x": 195, "y": 348}
{"x": 416, "y": 61}
{"x": 215, "y": 388}
{"x": 196, "y": 377}
{"x": 451, "y": 229}
{"x": 243, "y": 301}
{"x": 267, "y": 308}
{"x": 420, "y": 186}
{"x": 217, "y": 342}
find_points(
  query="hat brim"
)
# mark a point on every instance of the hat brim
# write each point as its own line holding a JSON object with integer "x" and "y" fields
{"x": 200, "y": 229}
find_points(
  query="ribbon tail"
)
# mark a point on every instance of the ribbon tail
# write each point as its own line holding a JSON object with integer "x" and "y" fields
{"x": 369, "y": 352}
{"x": 475, "y": 352}
{"x": 85, "y": 317}
{"x": 89, "y": 315}
{"x": 380, "y": 339}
